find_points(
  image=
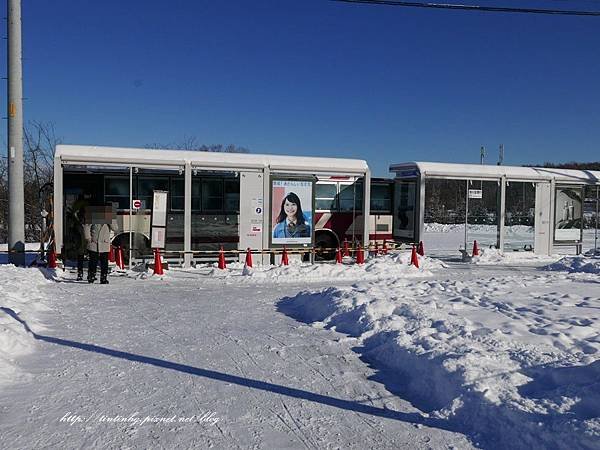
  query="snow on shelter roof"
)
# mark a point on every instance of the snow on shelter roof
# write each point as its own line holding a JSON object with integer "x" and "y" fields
{"x": 479, "y": 171}
{"x": 97, "y": 155}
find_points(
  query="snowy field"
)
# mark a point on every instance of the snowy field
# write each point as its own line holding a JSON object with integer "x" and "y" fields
{"x": 500, "y": 352}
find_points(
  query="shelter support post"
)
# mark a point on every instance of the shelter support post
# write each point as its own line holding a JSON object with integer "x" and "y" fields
{"x": 501, "y": 214}
{"x": 366, "y": 207}
{"x": 130, "y": 215}
{"x": 420, "y": 209}
{"x": 187, "y": 216}
{"x": 266, "y": 258}
{"x": 58, "y": 205}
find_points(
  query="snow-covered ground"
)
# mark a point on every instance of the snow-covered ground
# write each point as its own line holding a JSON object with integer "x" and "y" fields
{"x": 499, "y": 352}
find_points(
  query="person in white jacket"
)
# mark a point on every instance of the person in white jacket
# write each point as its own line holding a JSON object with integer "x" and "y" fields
{"x": 98, "y": 236}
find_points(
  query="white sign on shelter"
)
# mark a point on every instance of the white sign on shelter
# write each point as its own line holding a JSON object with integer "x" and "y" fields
{"x": 159, "y": 209}
{"x": 475, "y": 193}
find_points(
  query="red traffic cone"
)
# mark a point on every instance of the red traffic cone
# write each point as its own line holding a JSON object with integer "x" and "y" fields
{"x": 338, "y": 256}
{"x": 414, "y": 259}
{"x": 158, "y": 268}
{"x": 421, "y": 249}
{"x": 52, "y": 258}
{"x": 284, "y": 258}
{"x": 222, "y": 264}
{"x": 360, "y": 255}
{"x": 346, "y": 250}
{"x": 248, "y": 258}
{"x": 120, "y": 261}
{"x": 475, "y": 249}
{"x": 111, "y": 254}
{"x": 384, "y": 249}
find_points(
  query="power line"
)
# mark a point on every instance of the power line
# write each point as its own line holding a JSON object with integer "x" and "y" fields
{"x": 498, "y": 9}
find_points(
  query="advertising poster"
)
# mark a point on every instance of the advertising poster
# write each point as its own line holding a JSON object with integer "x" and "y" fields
{"x": 291, "y": 212}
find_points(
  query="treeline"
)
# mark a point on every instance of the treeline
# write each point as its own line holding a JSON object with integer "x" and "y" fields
{"x": 574, "y": 165}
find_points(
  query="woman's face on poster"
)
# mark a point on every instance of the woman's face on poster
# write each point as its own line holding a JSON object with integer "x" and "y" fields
{"x": 290, "y": 209}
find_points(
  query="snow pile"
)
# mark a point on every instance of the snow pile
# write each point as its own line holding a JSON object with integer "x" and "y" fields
{"x": 511, "y": 370}
{"x": 20, "y": 297}
{"x": 377, "y": 268}
{"x": 576, "y": 264}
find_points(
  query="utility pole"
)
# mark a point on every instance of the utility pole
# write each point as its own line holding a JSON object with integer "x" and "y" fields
{"x": 16, "y": 201}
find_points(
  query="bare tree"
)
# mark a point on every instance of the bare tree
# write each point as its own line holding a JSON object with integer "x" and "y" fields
{"x": 39, "y": 140}
{"x": 191, "y": 143}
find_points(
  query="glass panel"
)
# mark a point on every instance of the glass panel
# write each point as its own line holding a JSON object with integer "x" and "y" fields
{"x": 325, "y": 196}
{"x": 212, "y": 194}
{"x": 405, "y": 205}
{"x": 232, "y": 195}
{"x": 210, "y": 231}
{"x": 519, "y": 216}
{"x": 351, "y": 196}
{"x": 381, "y": 197}
{"x": 326, "y": 190}
{"x": 444, "y": 215}
{"x": 568, "y": 214}
{"x": 147, "y": 186}
{"x": 117, "y": 186}
{"x": 483, "y": 216}
{"x": 178, "y": 187}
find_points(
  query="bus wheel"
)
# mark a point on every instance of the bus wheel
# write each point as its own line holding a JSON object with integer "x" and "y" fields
{"x": 325, "y": 245}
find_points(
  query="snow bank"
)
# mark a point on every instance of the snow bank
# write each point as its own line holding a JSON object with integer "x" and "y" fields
{"x": 433, "y": 227}
{"x": 20, "y": 297}
{"x": 576, "y": 264}
{"x": 493, "y": 256}
{"x": 377, "y": 268}
{"x": 511, "y": 370}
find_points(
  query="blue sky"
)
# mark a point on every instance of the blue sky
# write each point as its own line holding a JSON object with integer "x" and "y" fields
{"x": 313, "y": 77}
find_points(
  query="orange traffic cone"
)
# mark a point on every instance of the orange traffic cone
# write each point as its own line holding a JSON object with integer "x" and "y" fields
{"x": 158, "y": 268}
{"x": 384, "y": 249}
{"x": 120, "y": 261}
{"x": 421, "y": 249}
{"x": 338, "y": 256}
{"x": 284, "y": 257}
{"x": 222, "y": 264}
{"x": 52, "y": 258}
{"x": 360, "y": 255}
{"x": 414, "y": 259}
{"x": 248, "y": 258}
{"x": 111, "y": 254}
{"x": 475, "y": 249}
{"x": 346, "y": 250}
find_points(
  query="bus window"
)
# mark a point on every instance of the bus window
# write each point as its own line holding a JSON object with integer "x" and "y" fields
{"x": 117, "y": 191}
{"x": 325, "y": 194}
{"x": 212, "y": 194}
{"x": 381, "y": 198}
